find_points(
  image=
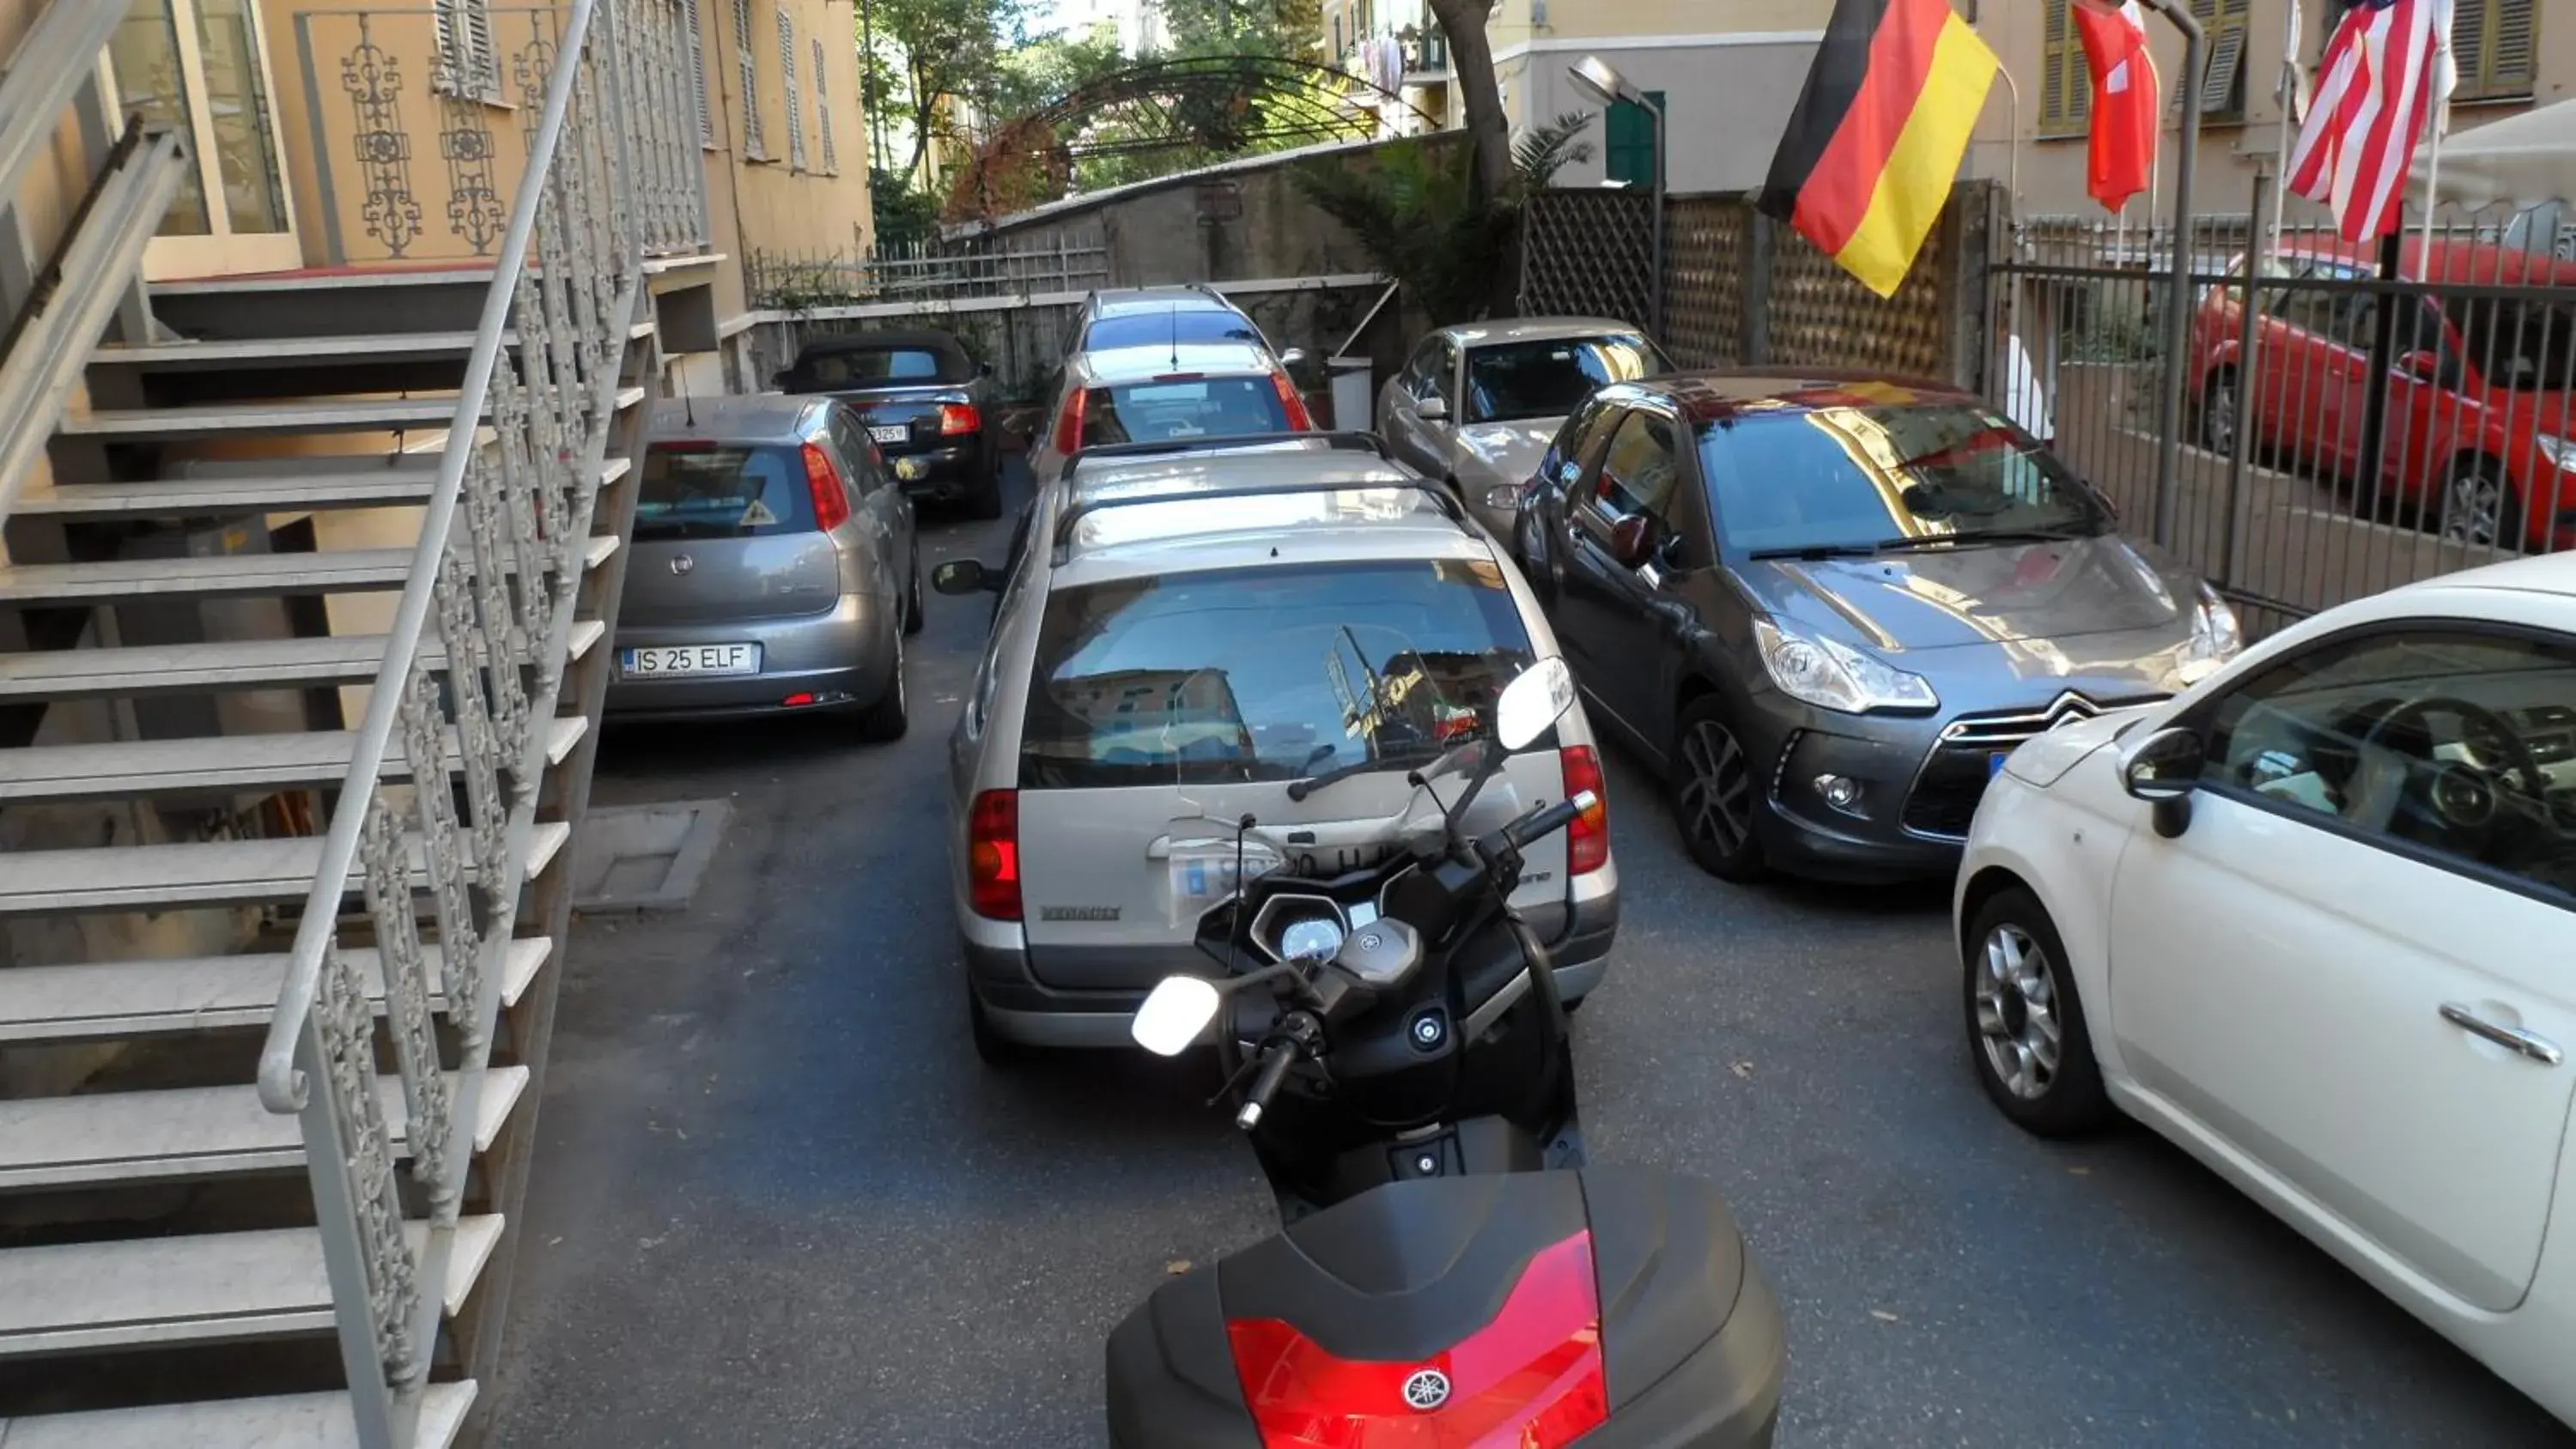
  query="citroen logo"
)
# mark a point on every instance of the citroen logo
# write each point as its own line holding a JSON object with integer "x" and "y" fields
{"x": 2067, "y": 706}
{"x": 1427, "y": 1390}
{"x": 681, "y": 563}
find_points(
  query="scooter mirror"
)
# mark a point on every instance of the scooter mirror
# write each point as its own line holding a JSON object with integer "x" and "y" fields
{"x": 1174, "y": 1015}
{"x": 1533, "y": 702}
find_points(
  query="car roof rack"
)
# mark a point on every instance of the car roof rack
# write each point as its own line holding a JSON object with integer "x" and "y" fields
{"x": 1345, "y": 441}
{"x": 1078, "y": 509}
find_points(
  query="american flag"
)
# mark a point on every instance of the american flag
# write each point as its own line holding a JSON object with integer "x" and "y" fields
{"x": 2376, "y": 90}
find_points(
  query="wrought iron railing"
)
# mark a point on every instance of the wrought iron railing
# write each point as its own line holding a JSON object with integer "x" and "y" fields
{"x": 416, "y": 141}
{"x": 500, "y": 592}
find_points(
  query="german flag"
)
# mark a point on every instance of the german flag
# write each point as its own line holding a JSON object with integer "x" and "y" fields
{"x": 1876, "y": 139}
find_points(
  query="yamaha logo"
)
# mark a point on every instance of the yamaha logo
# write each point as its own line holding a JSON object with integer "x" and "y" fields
{"x": 1427, "y": 1390}
{"x": 681, "y": 563}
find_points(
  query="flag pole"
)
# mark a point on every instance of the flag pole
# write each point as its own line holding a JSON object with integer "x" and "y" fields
{"x": 2290, "y": 121}
{"x": 2445, "y": 76}
{"x": 2177, "y": 295}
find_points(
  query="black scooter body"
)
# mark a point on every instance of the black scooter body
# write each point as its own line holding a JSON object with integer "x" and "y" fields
{"x": 1690, "y": 1334}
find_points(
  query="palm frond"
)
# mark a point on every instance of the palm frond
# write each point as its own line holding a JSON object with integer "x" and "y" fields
{"x": 1542, "y": 151}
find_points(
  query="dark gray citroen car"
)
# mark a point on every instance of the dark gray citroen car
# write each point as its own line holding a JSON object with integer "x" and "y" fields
{"x": 1826, "y": 607}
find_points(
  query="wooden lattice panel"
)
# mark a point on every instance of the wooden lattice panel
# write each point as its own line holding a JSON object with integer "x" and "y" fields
{"x": 1589, "y": 253}
{"x": 1822, "y": 317}
{"x": 1704, "y": 259}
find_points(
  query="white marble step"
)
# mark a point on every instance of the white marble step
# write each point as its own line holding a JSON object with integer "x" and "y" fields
{"x": 126, "y": 1137}
{"x": 206, "y": 1288}
{"x": 294, "y": 1421}
{"x": 329, "y": 571}
{"x": 205, "y": 668}
{"x": 106, "y": 1000}
{"x": 123, "y": 769}
{"x": 167, "y": 877}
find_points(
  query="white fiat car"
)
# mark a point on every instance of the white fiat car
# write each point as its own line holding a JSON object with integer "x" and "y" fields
{"x": 2314, "y": 919}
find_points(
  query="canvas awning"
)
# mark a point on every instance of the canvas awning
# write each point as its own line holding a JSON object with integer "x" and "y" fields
{"x": 2525, "y": 161}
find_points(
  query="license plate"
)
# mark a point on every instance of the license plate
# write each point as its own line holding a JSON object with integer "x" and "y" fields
{"x": 675, "y": 659}
{"x": 891, "y": 433}
{"x": 1995, "y": 764}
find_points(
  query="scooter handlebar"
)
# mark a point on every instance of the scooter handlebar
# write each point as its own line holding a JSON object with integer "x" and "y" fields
{"x": 1276, "y": 1058}
{"x": 1539, "y": 824}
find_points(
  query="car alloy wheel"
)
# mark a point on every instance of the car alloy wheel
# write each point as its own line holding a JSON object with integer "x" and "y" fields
{"x": 2018, "y": 1021}
{"x": 1717, "y": 788}
{"x": 2218, "y": 416}
{"x": 2473, "y": 505}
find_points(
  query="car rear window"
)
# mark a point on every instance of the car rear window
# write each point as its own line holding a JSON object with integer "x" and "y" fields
{"x": 721, "y": 490}
{"x": 1182, "y": 407}
{"x": 1146, "y": 329}
{"x": 1272, "y": 673}
{"x": 1551, "y": 377}
{"x": 880, "y": 365}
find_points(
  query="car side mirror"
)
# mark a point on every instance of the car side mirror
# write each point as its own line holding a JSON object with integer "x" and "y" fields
{"x": 983, "y": 369}
{"x": 1432, "y": 409}
{"x": 2421, "y": 366}
{"x": 1292, "y": 359}
{"x": 2163, "y": 769}
{"x": 965, "y": 576}
{"x": 1632, "y": 540}
{"x": 783, "y": 378}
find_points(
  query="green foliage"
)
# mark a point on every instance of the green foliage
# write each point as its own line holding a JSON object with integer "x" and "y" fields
{"x": 932, "y": 54}
{"x": 1293, "y": 29}
{"x": 903, "y": 213}
{"x": 1413, "y": 208}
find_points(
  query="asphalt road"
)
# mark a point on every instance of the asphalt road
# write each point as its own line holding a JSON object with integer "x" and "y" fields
{"x": 780, "y": 1202}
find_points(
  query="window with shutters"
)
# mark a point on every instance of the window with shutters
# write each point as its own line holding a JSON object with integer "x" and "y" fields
{"x": 2222, "y": 86}
{"x": 823, "y": 113}
{"x": 466, "y": 58}
{"x": 2065, "y": 86}
{"x": 2496, "y": 44}
{"x": 698, "y": 74}
{"x": 788, "y": 90}
{"x": 755, "y": 143}
{"x": 1628, "y": 142}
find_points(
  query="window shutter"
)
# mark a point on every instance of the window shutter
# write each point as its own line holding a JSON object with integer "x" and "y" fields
{"x": 2219, "y": 95}
{"x": 754, "y": 143}
{"x": 698, "y": 72}
{"x": 2517, "y": 46}
{"x": 466, "y": 64}
{"x": 788, "y": 90}
{"x": 823, "y": 111}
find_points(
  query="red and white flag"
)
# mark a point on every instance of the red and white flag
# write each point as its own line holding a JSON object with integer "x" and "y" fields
{"x": 2377, "y": 90}
{"x": 2123, "y": 155}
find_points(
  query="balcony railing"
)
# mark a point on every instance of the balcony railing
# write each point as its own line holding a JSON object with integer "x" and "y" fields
{"x": 413, "y": 144}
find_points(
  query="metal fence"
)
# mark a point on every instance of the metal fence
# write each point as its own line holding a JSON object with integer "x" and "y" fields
{"x": 2349, "y": 432}
{"x": 1740, "y": 289}
{"x": 919, "y": 271}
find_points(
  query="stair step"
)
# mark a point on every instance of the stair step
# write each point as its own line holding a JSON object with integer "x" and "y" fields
{"x": 126, "y": 1137}
{"x": 203, "y": 668}
{"x": 107, "y": 1000}
{"x": 382, "y": 488}
{"x": 221, "y": 763}
{"x": 166, "y": 877}
{"x": 204, "y": 420}
{"x": 330, "y": 571}
{"x": 209, "y": 1288}
{"x": 362, "y": 487}
{"x": 294, "y": 1421}
{"x": 190, "y": 354}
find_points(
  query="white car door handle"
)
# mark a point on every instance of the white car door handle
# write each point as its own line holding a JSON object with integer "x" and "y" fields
{"x": 2512, "y": 1038}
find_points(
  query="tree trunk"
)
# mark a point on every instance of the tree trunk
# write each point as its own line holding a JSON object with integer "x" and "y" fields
{"x": 1471, "y": 68}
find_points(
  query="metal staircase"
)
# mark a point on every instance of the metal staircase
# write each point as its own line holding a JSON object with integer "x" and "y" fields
{"x": 282, "y": 871}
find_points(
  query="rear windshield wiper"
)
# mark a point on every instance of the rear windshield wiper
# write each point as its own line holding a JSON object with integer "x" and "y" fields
{"x": 1300, "y": 789}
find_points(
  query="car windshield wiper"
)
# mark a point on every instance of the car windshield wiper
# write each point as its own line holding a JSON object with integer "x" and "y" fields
{"x": 1919, "y": 543}
{"x": 2020, "y": 535}
{"x": 1419, "y": 755}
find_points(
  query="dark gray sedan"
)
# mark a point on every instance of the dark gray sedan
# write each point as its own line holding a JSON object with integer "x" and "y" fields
{"x": 776, "y": 569}
{"x": 1826, "y": 608}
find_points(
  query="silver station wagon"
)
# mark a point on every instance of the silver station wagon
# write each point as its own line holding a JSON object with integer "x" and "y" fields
{"x": 776, "y": 569}
{"x": 1198, "y": 631}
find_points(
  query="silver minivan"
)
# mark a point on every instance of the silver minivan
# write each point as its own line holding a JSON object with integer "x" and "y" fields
{"x": 775, "y": 570}
{"x": 1208, "y": 629}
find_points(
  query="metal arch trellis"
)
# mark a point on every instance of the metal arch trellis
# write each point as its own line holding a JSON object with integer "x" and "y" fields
{"x": 1226, "y": 104}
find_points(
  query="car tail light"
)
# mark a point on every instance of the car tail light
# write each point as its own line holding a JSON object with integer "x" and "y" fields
{"x": 1531, "y": 1379}
{"x": 1299, "y": 420}
{"x": 955, "y": 418}
{"x": 1068, "y": 428}
{"x": 1587, "y": 839}
{"x": 831, "y": 500}
{"x": 993, "y": 855}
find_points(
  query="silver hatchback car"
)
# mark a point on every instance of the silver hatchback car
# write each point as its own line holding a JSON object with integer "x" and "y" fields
{"x": 775, "y": 570}
{"x": 1213, "y": 628}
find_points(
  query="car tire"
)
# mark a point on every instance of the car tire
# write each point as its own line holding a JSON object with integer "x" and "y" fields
{"x": 913, "y": 618}
{"x": 1716, "y": 793}
{"x": 984, "y": 499}
{"x": 2218, "y": 420}
{"x": 886, "y": 720}
{"x": 2478, "y": 505}
{"x": 2027, "y": 1039}
{"x": 991, "y": 1047}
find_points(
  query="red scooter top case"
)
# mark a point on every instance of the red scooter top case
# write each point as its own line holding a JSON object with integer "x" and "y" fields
{"x": 1608, "y": 1307}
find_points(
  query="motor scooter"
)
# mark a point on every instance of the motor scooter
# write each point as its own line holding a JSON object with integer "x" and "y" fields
{"x": 1451, "y": 1272}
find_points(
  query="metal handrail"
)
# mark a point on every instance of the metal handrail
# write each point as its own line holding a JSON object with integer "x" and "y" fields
{"x": 282, "y": 1088}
